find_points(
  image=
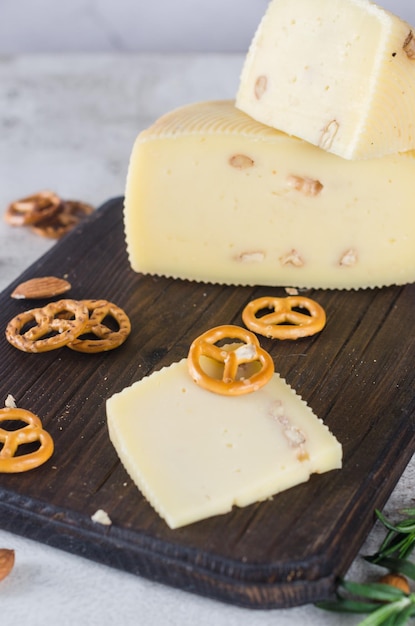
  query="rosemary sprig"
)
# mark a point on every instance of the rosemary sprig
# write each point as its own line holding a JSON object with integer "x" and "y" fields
{"x": 385, "y": 604}
{"x": 400, "y": 540}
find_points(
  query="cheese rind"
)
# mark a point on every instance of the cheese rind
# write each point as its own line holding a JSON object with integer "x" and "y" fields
{"x": 339, "y": 74}
{"x": 214, "y": 196}
{"x": 195, "y": 454}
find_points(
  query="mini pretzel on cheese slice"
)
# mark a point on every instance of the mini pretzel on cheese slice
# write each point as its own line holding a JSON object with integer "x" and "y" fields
{"x": 195, "y": 454}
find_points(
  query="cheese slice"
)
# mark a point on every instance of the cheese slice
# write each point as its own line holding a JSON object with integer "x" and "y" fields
{"x": 337, "y": 73}
{"x": 215, "y": 196}
{"x": 194, "y": 454}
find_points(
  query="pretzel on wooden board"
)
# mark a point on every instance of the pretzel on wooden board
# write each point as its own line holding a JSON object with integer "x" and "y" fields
{"x": 31, "y": 432}
{"x": 104, "y": 337}
{"x": 245, "y": 351}
{"x": 48, "y": 327}
{"x": 284, "y": 322}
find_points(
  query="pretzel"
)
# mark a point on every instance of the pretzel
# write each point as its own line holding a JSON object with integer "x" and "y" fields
{"x": 32, "y": 431}
{"x": 284, "y": 322}
{"x": 106, "y": 339}
{"x": 68, "y": 215}
{"x": 32, "y": 209}
{"x": 51, "y": 330}
{"x": 232, "y": 356}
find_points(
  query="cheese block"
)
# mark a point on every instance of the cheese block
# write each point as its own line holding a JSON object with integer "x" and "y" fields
{"x": 337, "y": 73}
{"x": 215, "y": 196}
{"x": 194, "y": 454}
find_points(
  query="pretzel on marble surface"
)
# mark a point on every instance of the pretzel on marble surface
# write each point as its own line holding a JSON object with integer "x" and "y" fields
{"x": 33, "y": 209}
{"x": 69, "y": 213}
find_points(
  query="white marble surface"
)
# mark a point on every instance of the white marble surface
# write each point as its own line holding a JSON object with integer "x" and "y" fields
{"x": 68, "y": 123}
{"x": 128, "y": 25}
{"x": 139, "y": 26}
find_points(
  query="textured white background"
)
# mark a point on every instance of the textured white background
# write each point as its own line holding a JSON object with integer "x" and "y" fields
{"x": 138, "y": 25}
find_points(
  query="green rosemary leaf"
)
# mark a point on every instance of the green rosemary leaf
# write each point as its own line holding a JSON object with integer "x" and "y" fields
{"x": 401, "y": 566}
{"x": 408, "y": 511}
{"x": 385, "y": 604}
{"x": 344, "y": 605}
{"x": 384, "y": 614}
{"x": 399, "y": 549}
{"x": 381, "y": 517}
{"x": 374, "y": 591}
{"x": 402, "y": 546}
{"x": 406, "y": 525}
{"x": 399, "y": 540}
{"x": 401, "y": 618}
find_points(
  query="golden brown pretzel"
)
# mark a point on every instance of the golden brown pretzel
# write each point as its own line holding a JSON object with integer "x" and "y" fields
{"x": 248, "y": 352}
{"x": 32, "y": 431}
{"x": 52, "y": 329}
{"x": 284, "y": 322}
{"x": 69, "y": 213}
{"x": 106, "y": 339}
{"x": 33, "y": 209}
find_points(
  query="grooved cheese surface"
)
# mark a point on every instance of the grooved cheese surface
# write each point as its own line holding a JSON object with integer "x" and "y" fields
{"x": 337, "y": 73}
{"x": 214, "y": 196}
{"x": 357, "y": 375}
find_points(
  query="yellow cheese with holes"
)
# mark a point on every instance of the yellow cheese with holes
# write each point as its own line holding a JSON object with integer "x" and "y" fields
{"x": 337, "y": 73}
{"x": 195, "y": 454}
{"x": 214, "y": 196}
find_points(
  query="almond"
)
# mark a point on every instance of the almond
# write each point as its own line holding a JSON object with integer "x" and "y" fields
{"x": 409, "y": 46}
{"x": 260, "y": 87}
{"x": 307, "y": 186}
{"x": 6, "y": 562}
{"x": 44, "y": 287}
{"x": 396, "y": 580}
{"x": 241, "y": 161}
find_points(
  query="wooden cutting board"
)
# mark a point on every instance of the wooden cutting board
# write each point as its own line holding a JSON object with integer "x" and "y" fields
{"x": 358, "y": 375}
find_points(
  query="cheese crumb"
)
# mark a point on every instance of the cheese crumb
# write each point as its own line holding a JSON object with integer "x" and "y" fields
{"x": 10, "y": 402}
{"x": 101, "y": 517}
{"x": 247, "y": 351}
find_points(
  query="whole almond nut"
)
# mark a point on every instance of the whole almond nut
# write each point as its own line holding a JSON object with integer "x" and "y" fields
{"x": 6, "y": 562}
{"x": 396, "y": 580}
{"x": 44, "y": 287}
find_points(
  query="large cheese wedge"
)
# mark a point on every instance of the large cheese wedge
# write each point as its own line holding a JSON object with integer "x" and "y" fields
{"x": 337, "y": 73}
{"x": 214, "y": 196}
{"x": 195, "y": 454}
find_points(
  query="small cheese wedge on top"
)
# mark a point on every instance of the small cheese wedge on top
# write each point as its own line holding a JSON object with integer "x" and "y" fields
{"x": 215, "y": 196}
{"x": 194, "y": 454}
{"x": 337, "y": 73}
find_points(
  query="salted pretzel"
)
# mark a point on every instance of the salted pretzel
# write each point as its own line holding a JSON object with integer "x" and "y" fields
{"x": 284, "y": 322}
{"x": 31, "y": 432}
{"x": 232, "y": 357}
{"x": 105, "y": 338}
{"x": 32, "y": 209}
{"x": 50, "y": 327}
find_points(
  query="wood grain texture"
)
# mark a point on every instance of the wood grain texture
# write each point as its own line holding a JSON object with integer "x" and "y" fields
{"x": 357, "y": 375}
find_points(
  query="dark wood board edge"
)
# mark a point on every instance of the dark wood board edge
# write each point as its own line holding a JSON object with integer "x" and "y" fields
{"x": 102, "y": 547}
